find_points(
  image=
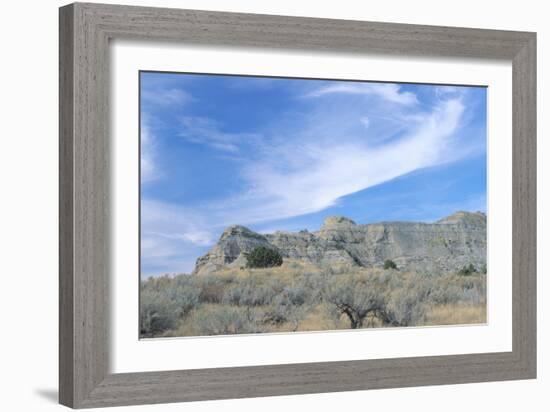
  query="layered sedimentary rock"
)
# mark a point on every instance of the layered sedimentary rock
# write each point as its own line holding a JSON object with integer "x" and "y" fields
{"x": 446, "y": 245}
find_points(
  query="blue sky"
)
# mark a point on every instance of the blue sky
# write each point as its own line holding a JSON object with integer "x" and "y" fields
{"x": 283, "y": 154}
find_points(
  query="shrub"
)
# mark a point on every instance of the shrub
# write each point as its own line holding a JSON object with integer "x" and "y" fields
{"x": 157, "y": 313}
{"x": 263, "y": 257}
{"x": 290, "y": 306}
{"x": 211, "y": 293}
{"x": 355, "y": 297}
{"x": 467, "y": 270}
{"x": 407, "y": 301}
{"x": 212, "y": 288}
{"x": 389, "y": 264}
{"x": 224, "y": 320}
{"x": 379, "y": 298}
{"x": 253, "y": 291}
{"x": 289, "y": 299}
{"x": 453, "y": 289}
{"x": 164, "y": 301}
{"x": 185, "y": 294}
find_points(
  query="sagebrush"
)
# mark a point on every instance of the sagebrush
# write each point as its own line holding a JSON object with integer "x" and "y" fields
{"x": 298, "y": 297}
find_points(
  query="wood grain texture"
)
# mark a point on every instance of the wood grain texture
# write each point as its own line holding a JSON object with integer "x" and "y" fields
{"x": 85, "y": 31}
{"x": 524, "y": 205}
{"x": 66, "y": 229}
{"x": 84, "y": 254}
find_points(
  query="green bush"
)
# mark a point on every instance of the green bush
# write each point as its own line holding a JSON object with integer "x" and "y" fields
{"x": 467, "y": 270}
{"x": 263, "y": 257}
{"x": 389, "y": 264}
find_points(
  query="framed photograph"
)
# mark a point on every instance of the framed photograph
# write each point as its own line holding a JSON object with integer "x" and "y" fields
{"x": 256, "y": 205}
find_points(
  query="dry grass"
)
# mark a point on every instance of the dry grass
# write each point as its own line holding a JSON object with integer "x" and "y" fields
{"x": 286, "y": 272}
{"x": 456, "y": 314}
{"x": 317, "y": 319}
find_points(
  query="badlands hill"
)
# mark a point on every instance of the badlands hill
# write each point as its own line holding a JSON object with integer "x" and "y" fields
{"x": 442, "y": 246}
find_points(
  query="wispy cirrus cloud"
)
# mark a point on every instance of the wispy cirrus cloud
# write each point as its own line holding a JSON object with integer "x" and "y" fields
{"x": 325, "y": 171}
{"x": 153, "y": 98}
{"x": 365, "y": 121}
{"x": 149, "y": 169}
{"x": 209, "y": 132}
{"x": 390, "y": 92}
{"x": 252, "y": 83}
{"x": 449, "y": 92}
{"x": 165, "y": 97}
{"x": 171, "y": 234}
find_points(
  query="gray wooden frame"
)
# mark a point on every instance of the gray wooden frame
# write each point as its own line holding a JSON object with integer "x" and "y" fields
{"x": 85, "y": 31}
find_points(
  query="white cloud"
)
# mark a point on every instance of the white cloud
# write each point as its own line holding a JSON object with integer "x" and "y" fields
{"x": 252, "y": 83}
{"x": 161, "y": 256}
{"x": 390, "y": 92}
{"x": 199, "y": 237}
{"x": 449, "y": 92}
{"x": 322, "y": 172}
{"x": 205, "y": 131}
{"x": 195, "y": 236}
{"x": 365, "y": 121}
{"x": 164, "y": 218}
{"x": 149, "y": 170}
{"x": 325, "y": 171}
{"x": 165, "y": 97}
{"x": 169, "y": 221}
{"x": 172, "y": 236}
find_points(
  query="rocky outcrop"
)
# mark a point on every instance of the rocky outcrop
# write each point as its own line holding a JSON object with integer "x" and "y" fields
{"x": 446, "y": 245}
{"x": 229, "y": 251}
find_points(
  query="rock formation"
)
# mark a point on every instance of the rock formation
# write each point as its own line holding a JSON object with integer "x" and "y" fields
{"x": 446, "y": 245}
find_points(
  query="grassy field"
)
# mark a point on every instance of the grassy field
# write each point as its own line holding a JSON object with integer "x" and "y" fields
{"x": 299, "y": 296}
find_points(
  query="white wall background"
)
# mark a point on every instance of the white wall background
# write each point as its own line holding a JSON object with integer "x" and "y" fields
{"x": 28, "y": 207}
